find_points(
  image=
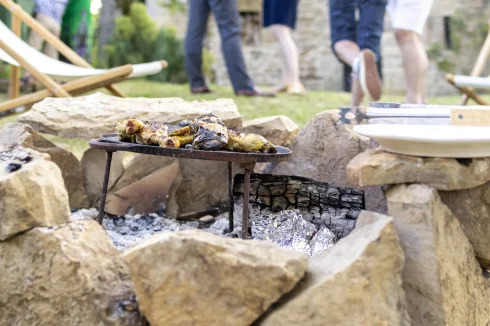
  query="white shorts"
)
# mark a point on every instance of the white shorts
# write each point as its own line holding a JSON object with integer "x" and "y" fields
{"x": 410, "y": 15}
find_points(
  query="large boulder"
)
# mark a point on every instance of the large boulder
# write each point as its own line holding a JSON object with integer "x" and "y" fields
{"x": 147, "y": 184}
{"x": 204, "y": 183}
{"x": 472, "y": 208}
{"x": 93, "y": 165}
{"x": 71, "y": 168}
{"x": 90, "y": 116}
{"x": 356, "y": 282}
{"x": 441, "y": 277}
{"x": 376, "y": 167}
{"x": 70, "y": 275}
{"x": 279, "y": 130}
{"x": 32, "y": 192}
{"x": 197, "y": 278}
{"x": 322, "y": 150}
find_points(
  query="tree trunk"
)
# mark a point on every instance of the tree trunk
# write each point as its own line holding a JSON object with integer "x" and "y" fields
{"x": 108, "y": 13}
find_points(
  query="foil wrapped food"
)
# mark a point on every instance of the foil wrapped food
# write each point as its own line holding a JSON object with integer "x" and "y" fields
{"x": 289, "y": 229}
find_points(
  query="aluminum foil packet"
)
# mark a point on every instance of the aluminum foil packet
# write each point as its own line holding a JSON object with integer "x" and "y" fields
{"x": 322, "y": 240}
{"x": 289, "y": 229}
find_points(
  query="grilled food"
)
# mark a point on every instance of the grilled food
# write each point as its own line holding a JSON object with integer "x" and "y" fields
{"x": 245, "y": 142}
{"x": 137, "y": 131}
{"x": 127, "y": 129}
{"x": 206, "y": 132}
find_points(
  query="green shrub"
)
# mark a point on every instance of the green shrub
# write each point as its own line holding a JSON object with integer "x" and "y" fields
{"x": 170, "y": 48}
{"x": 4, "y": 70}
{"x": 208, "y": 60}
{"x": 137, "y": 39}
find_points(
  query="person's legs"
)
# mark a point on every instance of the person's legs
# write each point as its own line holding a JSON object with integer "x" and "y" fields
{"x": 343, "y": 39}
{"x": 196, "y": 30}
{"x": 34, "y": 40}
{"x": 228, "y": 21}
{"x": 343, "y": 29}
{"x": 370, "y": 31}
{"x": 289, "y": 53}
{"x": 55, "y": 28}
{"x": 408, "y": 18}
{"x": 415, "y": 64}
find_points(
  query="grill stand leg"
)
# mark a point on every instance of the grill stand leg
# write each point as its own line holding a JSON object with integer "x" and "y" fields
{"x": 104, "y": 187}
{"x": 230, "y": 194}
{"x": 246, "y": 195}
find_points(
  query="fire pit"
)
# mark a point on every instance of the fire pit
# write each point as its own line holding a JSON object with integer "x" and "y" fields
{"x": 110, "y": 144}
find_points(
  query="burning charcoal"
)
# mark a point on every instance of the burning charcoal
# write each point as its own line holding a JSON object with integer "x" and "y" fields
{"x": 322, "y": 240}
{"x": 12, "y": 167}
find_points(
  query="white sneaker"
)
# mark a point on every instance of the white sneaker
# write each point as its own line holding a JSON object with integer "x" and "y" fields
{"x": 365, "y": 68}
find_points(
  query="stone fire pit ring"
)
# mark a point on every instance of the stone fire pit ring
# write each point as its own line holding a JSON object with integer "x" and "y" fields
{"x": 110, "y": 144}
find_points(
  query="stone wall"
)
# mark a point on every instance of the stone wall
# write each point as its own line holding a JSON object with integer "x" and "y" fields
{"x": 320, "y": 70}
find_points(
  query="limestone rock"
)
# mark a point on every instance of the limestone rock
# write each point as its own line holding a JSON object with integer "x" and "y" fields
{"x": 33, "y": 195}
{"x": 143, "y": 190}
{"x": 472, "y": 208}
{"x": 356, "y": 282}
{"x": 93, "y": 165}
{"x": 204, "y": 183}
{"x": 71, "y": 168}
{"x": 90, "y": 116}
{"x": 70, "y": 275}
{"x": 373, "y": 168}
{"x": 279, "y": 130}
{"x": 196, "y": 278}
{"x": 441, "y": 277}
{"x": 322, "y": 150}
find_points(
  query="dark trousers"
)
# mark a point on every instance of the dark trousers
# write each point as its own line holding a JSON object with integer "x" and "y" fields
{"x": 367, "y": 32}
{"x": 228, "y": 20}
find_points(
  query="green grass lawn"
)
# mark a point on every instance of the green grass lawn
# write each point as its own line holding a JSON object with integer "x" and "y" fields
{"x": 300, "y": 109}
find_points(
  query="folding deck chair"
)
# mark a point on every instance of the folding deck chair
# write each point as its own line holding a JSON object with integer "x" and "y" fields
{"x": 79, "y": 77}
{"x": 467, "y": 84}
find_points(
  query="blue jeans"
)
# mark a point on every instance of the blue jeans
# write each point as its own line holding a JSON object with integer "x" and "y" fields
{"x": 367, "y": 32}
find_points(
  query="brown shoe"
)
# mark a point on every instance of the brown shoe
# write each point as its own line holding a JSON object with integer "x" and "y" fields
{"x": 254, "y": 92}
{"x": 201, "y": 90}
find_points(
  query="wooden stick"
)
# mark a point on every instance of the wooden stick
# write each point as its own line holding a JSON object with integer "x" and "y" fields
{"x": 61, "y": 47}
{"x": 75, "y": 87}
{"x": 480, "y": 63}
{"x": 467, "y": 91}
{"x": 50, "y": 84}
{"x": 14, "y": 70}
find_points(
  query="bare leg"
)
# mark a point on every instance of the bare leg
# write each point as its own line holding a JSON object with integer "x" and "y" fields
{"x": 289, "y": 53}
{"x": 415, "y": 64}
{"x": 347, "y": 51}
{"x": 357, "y": 94}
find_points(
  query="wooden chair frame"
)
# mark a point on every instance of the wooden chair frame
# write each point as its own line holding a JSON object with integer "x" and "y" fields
{"x": 68, "y": 89}
{"x": 468, "y": 92}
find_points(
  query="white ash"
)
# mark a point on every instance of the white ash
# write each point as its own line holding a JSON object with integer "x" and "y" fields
{"x": 126, "y": 230}
{"x": 85, "y": 214}
{"x": 287, "y": 229}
